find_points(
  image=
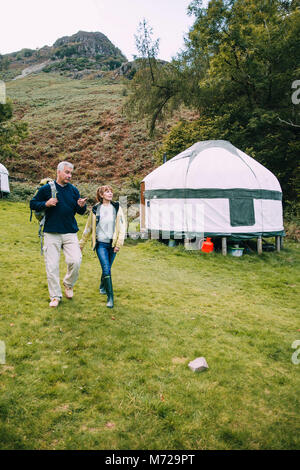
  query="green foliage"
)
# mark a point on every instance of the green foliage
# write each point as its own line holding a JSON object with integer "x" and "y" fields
{"x": 28, "y": 52}
{"x": 4, "y": 63}
{"x": 155, "y": 84}
{"x": 185, "y": 134}
{"x": 11, "y": 132}
{"x": 7, "y": 74}
{"x": 259, "y": 134}
{"x": 20, "y": 192}
{"x": 112, "y": 63}
{"x": 152, "y": 93}
{"x": 131, "y": 188}
{"x": 67, "y": 51}
{"x": 147, "y": 47}
{"x": 237, "y": 71}
{"x": 71, "y": 63}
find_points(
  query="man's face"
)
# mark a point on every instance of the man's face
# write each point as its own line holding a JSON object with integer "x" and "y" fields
{"x": 64, "y": 176}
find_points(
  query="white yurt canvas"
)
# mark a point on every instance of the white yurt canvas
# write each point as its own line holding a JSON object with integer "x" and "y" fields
{"x": 212, "y": 189}
{"x": 4, "y": 182}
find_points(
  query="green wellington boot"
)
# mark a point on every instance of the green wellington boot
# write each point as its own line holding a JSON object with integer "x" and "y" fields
{"x": 102, "y": 289}
{"x": 109, "y": 290}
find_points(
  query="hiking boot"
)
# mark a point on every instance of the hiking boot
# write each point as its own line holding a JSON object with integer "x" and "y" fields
{"x": 102, "y": 289}
{"x": 54, "y": 302}
{"x": 68, "y": 292}
{"x": 109, "y": 290}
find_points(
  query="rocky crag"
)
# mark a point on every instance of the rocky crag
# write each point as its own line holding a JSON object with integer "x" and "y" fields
{"x": 74, "y": 56}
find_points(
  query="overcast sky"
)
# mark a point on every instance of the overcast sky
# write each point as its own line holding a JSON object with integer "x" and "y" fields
{"x": 36, "y": 23}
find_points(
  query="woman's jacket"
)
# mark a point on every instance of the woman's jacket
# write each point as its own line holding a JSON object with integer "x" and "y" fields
{"x": 93, "y": 220}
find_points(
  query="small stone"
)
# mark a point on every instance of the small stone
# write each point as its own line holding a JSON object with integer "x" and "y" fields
{"x": 198, "y": 365}
{"x": 110, "y": 425}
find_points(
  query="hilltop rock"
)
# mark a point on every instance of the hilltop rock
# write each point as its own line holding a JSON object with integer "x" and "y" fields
{"x": 84, "y": 52}
{"x": 88, "y": 44}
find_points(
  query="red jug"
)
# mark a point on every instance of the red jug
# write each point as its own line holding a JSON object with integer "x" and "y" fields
{"x": 207, "y": 246}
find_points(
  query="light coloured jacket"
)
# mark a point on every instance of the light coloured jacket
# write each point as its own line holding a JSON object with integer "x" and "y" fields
{"x": 90, "y": 228}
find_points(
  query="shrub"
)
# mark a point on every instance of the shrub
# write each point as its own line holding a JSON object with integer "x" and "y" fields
{"x": 28, "y": 52}
{"x": 21, "y": 191}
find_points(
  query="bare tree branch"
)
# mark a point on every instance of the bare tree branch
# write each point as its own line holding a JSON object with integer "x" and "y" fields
{"x": 289, "y": 123}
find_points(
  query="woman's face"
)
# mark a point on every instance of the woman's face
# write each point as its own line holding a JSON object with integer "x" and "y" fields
{"x": 108, "y": 195}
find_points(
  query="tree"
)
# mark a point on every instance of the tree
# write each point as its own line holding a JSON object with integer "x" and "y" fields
{"x": 237, "y": 69}
{"x": 147, "y": 47}
{"x": 253, "y": 53}
{"x": 155, "y": 84}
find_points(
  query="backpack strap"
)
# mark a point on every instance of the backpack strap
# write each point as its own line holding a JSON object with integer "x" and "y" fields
{"x": 41, "y": 232}
{"x": 53, "y": 188}
{"x": 53, "y": 194}
{"x": 42, "y": 222}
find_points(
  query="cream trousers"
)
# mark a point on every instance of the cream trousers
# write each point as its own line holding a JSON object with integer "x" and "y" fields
{"x": 53, "y": 243}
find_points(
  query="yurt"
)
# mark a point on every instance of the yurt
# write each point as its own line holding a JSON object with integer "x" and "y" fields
{"x": 212, "y": 189}
{"x": 4, "y": 183}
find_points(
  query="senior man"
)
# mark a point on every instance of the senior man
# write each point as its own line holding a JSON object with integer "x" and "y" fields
{"x": 60, "y": 230}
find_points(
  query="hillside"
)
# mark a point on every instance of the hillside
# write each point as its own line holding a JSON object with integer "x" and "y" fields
{"x": 88, "y": 51}
{"x": 80, "y": 120}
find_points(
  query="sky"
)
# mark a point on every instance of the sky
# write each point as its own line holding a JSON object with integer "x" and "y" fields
{"x": 37, "y": 23}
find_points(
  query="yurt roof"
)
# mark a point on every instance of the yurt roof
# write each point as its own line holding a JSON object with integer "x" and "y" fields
{"x": 212, "y": 164}
{"x": 3, "y": 169}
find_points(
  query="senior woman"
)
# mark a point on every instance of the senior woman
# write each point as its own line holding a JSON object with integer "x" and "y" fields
{"x": 106, "y": 224}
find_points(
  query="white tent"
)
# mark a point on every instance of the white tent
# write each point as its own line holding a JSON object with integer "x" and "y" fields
{"x": 4, "y": 183}
{"x": 212, "y": 189}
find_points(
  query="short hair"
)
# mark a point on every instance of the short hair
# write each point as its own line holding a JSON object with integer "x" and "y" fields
{"x": 62, "y": 165}
{"x": 101, "y": 190}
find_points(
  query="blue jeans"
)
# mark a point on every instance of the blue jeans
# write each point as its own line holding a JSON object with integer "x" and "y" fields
{"x": 106, "y": 257}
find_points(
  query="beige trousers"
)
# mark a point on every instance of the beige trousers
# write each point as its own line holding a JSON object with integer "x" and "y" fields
{"x": 53, "y": 244}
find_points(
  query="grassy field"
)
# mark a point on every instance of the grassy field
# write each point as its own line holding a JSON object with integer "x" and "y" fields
{"x": 87, "y": 377}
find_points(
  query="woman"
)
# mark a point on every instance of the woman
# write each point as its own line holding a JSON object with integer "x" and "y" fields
{"x": 106, "y": 223}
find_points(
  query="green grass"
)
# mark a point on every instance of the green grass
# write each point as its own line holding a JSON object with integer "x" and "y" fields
{"x": 87, "y": 377}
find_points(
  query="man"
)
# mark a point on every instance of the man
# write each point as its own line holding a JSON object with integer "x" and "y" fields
{"x": 60, "y": 230}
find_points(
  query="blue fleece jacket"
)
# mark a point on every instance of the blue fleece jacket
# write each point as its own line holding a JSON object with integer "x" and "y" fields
{"x": 61, "y": 218}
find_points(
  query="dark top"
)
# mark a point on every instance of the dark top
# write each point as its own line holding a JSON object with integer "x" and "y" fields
{"x": 61, "y": 218}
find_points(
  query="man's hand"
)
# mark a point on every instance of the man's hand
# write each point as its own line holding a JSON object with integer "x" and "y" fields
{"x": 116, "y": 249}
{"x": 52, "y": 202}
{"x": 81, "y": 201}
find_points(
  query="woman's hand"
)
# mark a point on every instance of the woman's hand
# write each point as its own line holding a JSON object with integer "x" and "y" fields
{"x": 116, "y": 249}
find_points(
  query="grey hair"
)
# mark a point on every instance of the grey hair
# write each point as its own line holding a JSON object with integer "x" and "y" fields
{"x": 62, "y": 165}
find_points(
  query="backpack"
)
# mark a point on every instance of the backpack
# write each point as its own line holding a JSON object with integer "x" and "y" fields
{"x": 41, "y": 215}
